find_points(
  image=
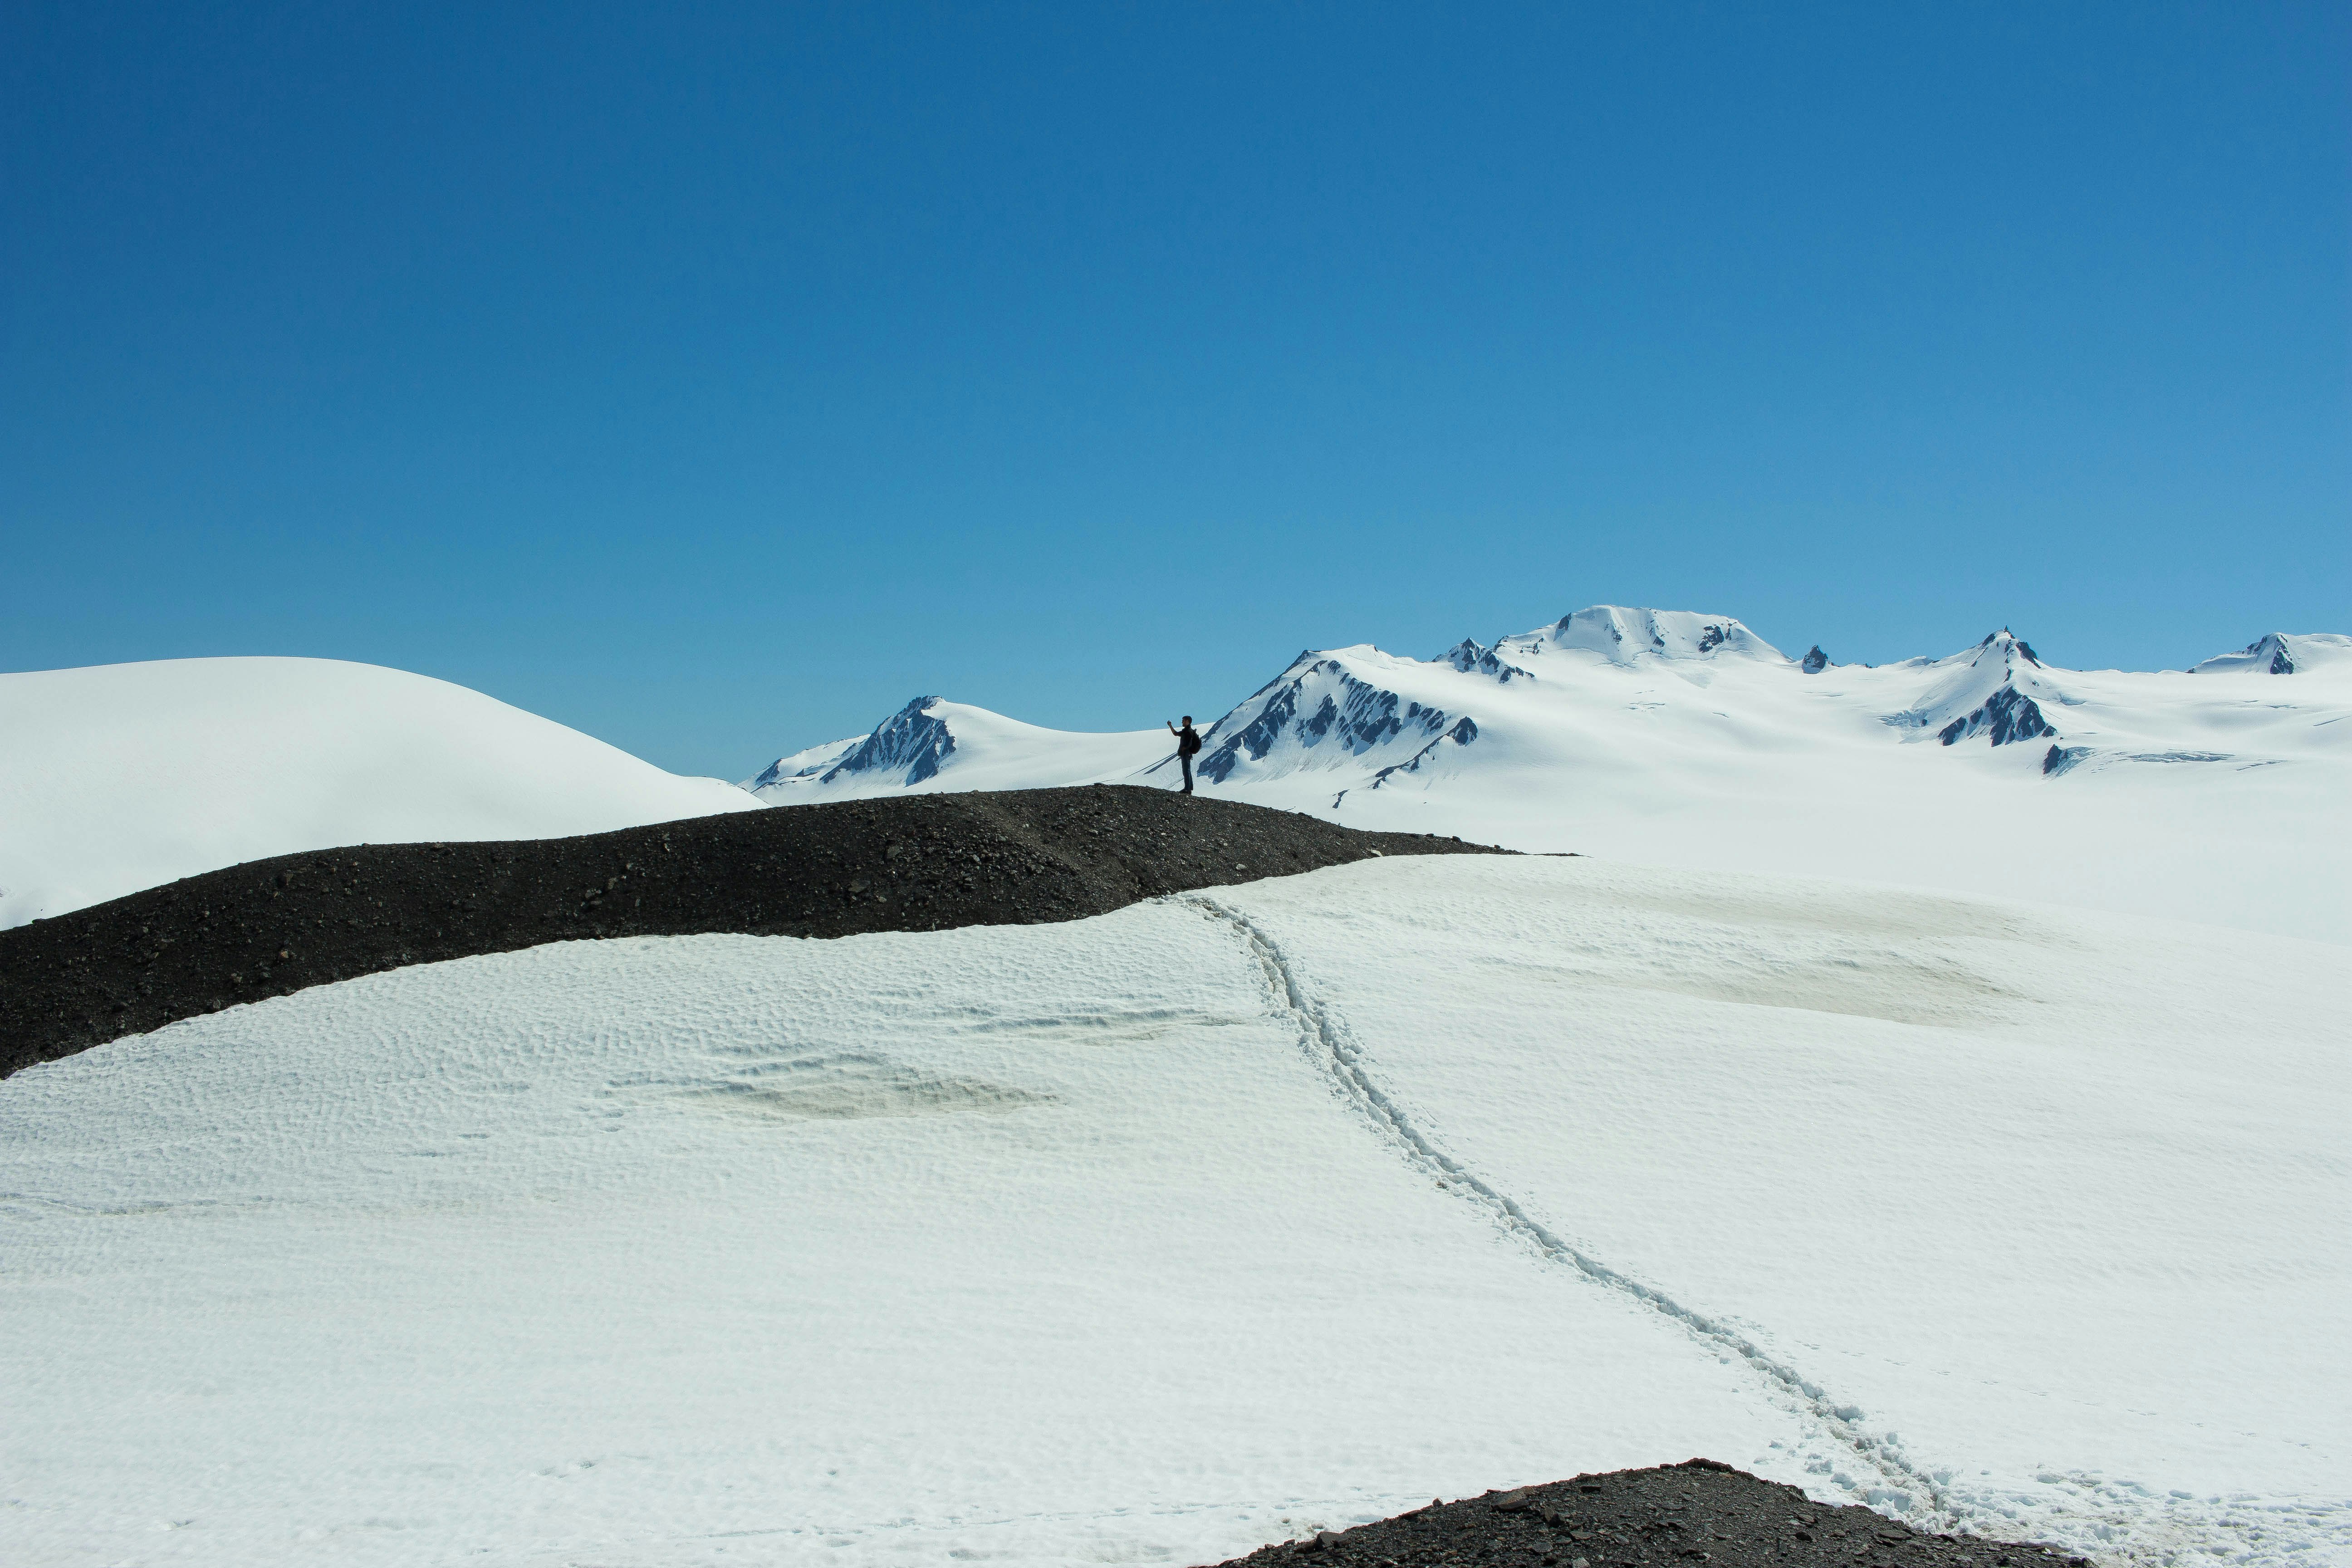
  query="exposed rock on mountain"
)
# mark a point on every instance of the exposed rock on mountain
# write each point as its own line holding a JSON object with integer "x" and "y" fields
{"x": 2008, "y": 715}
{"x": 1318, "y": 712}
{"x": 906, "y": 747}
{"x": 1686, "y": 739}
{"x": 2282, "y": 653}
{"x": 1996, "y": 690}
{"x": 1464, "y": 731}
{"x": 1472, "y": 657}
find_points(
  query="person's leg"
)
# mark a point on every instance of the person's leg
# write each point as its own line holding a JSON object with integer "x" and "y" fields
{"x": 1188, "y": 774}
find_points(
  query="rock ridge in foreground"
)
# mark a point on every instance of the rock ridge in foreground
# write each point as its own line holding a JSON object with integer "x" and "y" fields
{"x": 268, "y": 928}
{"x": 1696, "y": 1514}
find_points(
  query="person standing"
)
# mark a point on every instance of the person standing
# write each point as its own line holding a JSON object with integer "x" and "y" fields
{"x": 1188, "y": 746}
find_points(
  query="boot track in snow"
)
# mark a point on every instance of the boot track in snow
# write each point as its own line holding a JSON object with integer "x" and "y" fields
{"x": 1328, "y": 1041}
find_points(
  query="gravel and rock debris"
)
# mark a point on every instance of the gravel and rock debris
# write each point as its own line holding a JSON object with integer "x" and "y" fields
{"x": 913, "y": 863}
{"x": 1697, "y": 1514}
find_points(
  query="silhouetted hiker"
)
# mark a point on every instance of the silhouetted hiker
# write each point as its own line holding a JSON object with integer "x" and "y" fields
{"x": 1188, "y": 746}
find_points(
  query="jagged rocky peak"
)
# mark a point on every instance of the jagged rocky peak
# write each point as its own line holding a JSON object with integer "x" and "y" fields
{"x": 1815, "y": 660}
{"x": 1467, "y": 654}
{"x": 2006, "y": 717}
{"x": 1473, "y": 657}
{"x": 910, "y": 745}
{"x": 2005, "y": 645}
{"x": 1623, "y": 635}
{"x": 2283, "y": 653}
{"x": 1320, "y": 712}
{"x": 1996, "y": 690}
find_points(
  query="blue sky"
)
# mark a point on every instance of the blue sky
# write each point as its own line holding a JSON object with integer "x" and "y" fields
{"x": 714, "y": 379}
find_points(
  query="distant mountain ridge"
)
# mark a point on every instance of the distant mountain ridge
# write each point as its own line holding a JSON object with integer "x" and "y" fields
{"x": 1333, "y": 709}
{"x": 1623, "y": 635}
{"x": 1686, "y": 738}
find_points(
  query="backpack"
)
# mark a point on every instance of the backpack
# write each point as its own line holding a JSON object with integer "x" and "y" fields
{"x": 1188, "y": 744}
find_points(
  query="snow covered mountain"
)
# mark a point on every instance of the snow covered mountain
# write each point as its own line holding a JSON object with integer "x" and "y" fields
{"x": 1151, "y": 1237}
{"x": 1626, "y": 637}
{"x": 1332, "y": 710}
{"x": 1687, "y": 739}
{"x": 2281, "y": 653}
{"x": 127, "y": 775}
{"x": 934, "y": 744}
{"x": 1995, "y": 690}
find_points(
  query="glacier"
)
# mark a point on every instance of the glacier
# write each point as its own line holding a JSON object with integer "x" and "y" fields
{"x": 1218, "y": 1220}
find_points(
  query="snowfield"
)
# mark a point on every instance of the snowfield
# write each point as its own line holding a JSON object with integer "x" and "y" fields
{"x": 2223, "y": 795}
{"x": 126, "y": 776}
{"x": 1154, "y": 1237}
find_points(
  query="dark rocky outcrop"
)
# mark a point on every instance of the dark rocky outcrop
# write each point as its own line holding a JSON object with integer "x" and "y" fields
{"x": 907, "y": 863}
{"x": 2008, "y": 716}
{"x": 1700, "y": 1514}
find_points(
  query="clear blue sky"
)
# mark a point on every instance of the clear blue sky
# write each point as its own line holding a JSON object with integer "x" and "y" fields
{"x": 716, "y": 378}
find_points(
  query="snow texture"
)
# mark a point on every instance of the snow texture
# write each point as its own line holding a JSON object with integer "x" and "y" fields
{"x": 129, "y": 775}
{"x": 1218, "y": 1220}
{"x": 1681, "y": 739}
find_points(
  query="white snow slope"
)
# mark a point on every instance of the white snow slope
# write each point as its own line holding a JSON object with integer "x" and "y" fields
{"x": 1150, "y": 1238}
{"x": 128, "y": 775}
{"x": 2223, "y": 796}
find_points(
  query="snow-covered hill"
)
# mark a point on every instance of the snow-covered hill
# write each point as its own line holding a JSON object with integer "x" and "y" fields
{"x": 1687, "y": 738}
{"x": 1150, "y": 1238}
{"x": 1626, "y": 638}
{"x": 934, "y": 744}
{"x": 124, "y": 777}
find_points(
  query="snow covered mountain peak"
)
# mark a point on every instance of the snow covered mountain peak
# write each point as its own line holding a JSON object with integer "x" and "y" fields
{"x": 932, "y": 743}
{"x": 2283, "y": 653}
{"x": 1678, "y": 736}
{"x": 1622, "y": 635}
{"x": 2007, "y": 647}
{"x": 1997, "y": 689}
{"x": 904, "y": 749}
{"x": 1323, "y": 710}
{"x": 1472, "y": 657}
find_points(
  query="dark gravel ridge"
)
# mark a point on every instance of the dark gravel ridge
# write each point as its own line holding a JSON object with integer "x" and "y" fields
{"x": 1669, "y": 1516}
{"x": 914, "y": 863}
